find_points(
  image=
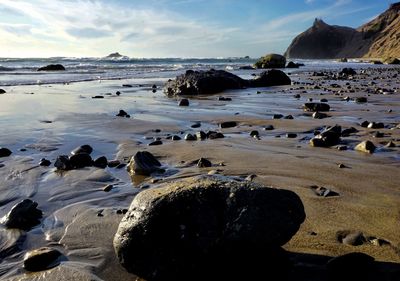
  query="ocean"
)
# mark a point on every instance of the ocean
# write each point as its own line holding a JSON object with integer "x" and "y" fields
{"x": 23, "y": 71}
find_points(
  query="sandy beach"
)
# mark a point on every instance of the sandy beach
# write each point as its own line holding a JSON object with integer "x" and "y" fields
{"x": 80, "y": 219}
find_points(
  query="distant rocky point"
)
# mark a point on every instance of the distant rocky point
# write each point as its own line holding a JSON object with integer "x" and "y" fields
{"x": 115, "y": 56}
{"x": 377, "y": 39}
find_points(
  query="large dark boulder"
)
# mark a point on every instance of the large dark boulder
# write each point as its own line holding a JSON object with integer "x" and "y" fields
{"x": 270, "y": 78}
{"x": 271, "y": 61}
{"x": 5, "y": 152}
{"x": 52, "y": 67}
{"x": 203, "y": 82}
{"x": 207, "y": 225}
{"x": 24, "y": 215}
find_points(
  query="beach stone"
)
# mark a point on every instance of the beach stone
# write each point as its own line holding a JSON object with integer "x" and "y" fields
{"x": 203, "y": 82}
{"x": 271, "y": 61}
{"x": 176, "y": 138}
{"x": 101, "y": 162}
{"x": 288, "y": 117}
{"x": 143, "y": 163}
{"x": 228, "y": 124}
{"x": 277, "y": 116}
{"x": 2, "y": 91}
{"x": 224, "y": 99}
{"x": 198, "y": 225}
{"x": 204, "y": 163}
{"x": 319, "y": 115}
{"x": 352, "y": 238}
{"x": 190, "y": 137}
{"x": 215, "y": 135}
{"x": 118, "y": 93}
{"x": 80, "y": 160}
{"x": 315, "y": 106}
{"x": 270, "y": 78}
{"x": 98, "y": 97}
{"x": 329, "y": 137}
{"x": 82, "y": 149}
{"x": 23, "y": 215}
{"x": 201, "y": 135}
{"x": 63, "y": 163}
{"x": 348, "y": 71}
{"x": 373, "y": 125}
{"x": 292, "y": 65}
{"x": 361, "y": 100}
{"x": 347, "y": 132}
{"x": 52, "y": 67}
{"x": 108, "y": 188}
{"x": 254, "y": 134}
{"x": 44, "y": 162}
{"x": 364, "y": 124}
{"x": 291, "y": 135}
{"x": 122, "y": 113}
{"x": 366, "y": 146}
{"x": 269, "y": 128}
{"x": 196, "y": 125}
{"x": 157, "y": 142}
{"x": 324, "y": 192}
{"x": 184, "y": 102}
{"x": 41, "y": 259}
{"x": 113, "y": 163}
{"x": 5, "y": 152}
{"x": 352, "y": 266}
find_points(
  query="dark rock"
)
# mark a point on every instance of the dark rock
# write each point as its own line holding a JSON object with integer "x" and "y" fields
{"x": 378, "y": 135}
{"x": 349, "y": 131}
{"x": 194, "y": 227}
{"x": 254, "y": 134}
{"x": 183, "y": 102}
{"x": 82, "y": 149}
{"x": 324, "y": 192}
{"x": 41, "y": 259}
{"x": 122, "y": 113}
{"x": 144, "y": 163}
{"x": 247, "y": 67}
{"x": 271, "y": 61}
{"x": 113, "y": 163}
{"x": 323, "y": 100}
{"x": 329, "y": 137}
{"x": 364, "y": 124}
{"x": 341, "y": 147}
{"x": 201, "y": 135}
{"x": 392, "y": 61}
{"x": 176, "y": 138}
{"x": 196, "y": 125}
{"x": 228, "y": 124}
{"x": 352, "y": 238}
{"x": 390, "y": 144}
{"x": 120, "y": 166}
{"x": 63, "y": 163}
{"x": 127, "y": 86}
{"x": 297, "y": 96}
{"x": 23, "y": 215}
{"x": 118, "y": 93}
{"x": 270, "y": 78}
{"x": 292, "y": 65}
{"x": 204, "y": 163}
{"x": 288, "y": 117}
{"x": 348, "y": 71}
{"x": 44, "y": 162}
{"x": 203, "y": 82}
{"x": 352, "y": 266}
{"x": 108, "y": 188}
{"x": 277, "y": 116}
{"x": 319, "y": 115}
{"x": 80, "y": 160}
{"x": 291, "y": 135}
{"x": 314, "y": 106}
{"x": 214, "y": 135}
{"x": 224, "y": 99}
{"x": 190, "y": 137}
{"x": 157, "y": 142}
{"x": 101, "y": 162}
{"x": 5, "y": 152}
{"x": 52, "y": 67}
{"x": 365, "y": 146}
{"x": 2, "y": 91}
{"x": 269, "y": 128}
{"x": 98, "y": 97}
{"x": 374, "y": 125}
{"x": 361, "y": 99}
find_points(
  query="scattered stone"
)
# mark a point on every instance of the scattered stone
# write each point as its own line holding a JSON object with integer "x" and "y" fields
{"x": 378, "y": 135}
{"x": 63, "y": 163}
{"x": 349, "y": 131}
{"x": 348, "y": 72}
{"x": 101, "y": 162}
{"x": 341, "y": 166}
{"x": 82, "y": 149}
{"x": 269, "y": 128}
{"x": 361, "y": 100}
{"x": 122, "y": 113}
{"x": 118, "y": 93}
{"x": 323, "y": 100}
{"x": 288, "y": 117}
{"x": 127, "y": 86}
{"x": 271, "y": 61}
{"x": 319, "y": 115}
{"x": 224, "y": 99}
{"x": 254, "y": 134}
{"x": 44, "y": 162}
{"x": 23, "y": 215}
{"x": 250, "y": 177}
{"x": 352, "y": 238}
{"x": 98, "y": 97}
{"x": 315, "y": 106}
{"x": 113, "y": 163}
{"x": 144, "y": 163}
{"x": 41, "y": 259}
{"x": 190, "y": 137}
{"x": 292, "y": 65}
{"x": 291, "y": 135}
{"x": 228, "y": 124}
{"x": 108, "y": 188}
{"x": 183, "y": 102}
{"x": 324, "y": 192}
{"x": 5, "y": 152}
{"x": 297, "y": 96}
{"x": 342, "y": 147}
{"x": 366, "y": 146}
{"x": 364, "y": 124}
{"x": 277, "y": 116}
{"x": 196, "y": 125}
{"x": 52, "y": 67}
{"x": 204, "y": 224}
{"x": 176, "y": 138}
{"x": 80, "y": 160}
{"x": 374, "y": 125}
{"x": 157, "y": 142}
{"x": 329, "y": 137}
{"x": 204, "y": 163}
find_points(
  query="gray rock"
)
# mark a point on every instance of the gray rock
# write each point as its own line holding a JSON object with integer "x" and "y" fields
{"x": 41, "y": 259}
{"x": 352, "y": 238}
{"x": 144, "y": 163}
{"x": 23, "y": 215}
{"x": 183, "y": 229}
{"x": 5, "y": 152}
{"x": 183, "y": 102}
{"x": 365, "y": 146}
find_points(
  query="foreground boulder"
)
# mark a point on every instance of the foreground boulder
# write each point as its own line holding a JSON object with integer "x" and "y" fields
{"x": 24, "y": 215}
{"x": 270, "y": 78}
{"x": 203, "y": 82}
{"x": 190, "y": 228}
{"x": 52, "y": 67}
{"x": 215, "y": 81}
{"x": 271, "y": 61}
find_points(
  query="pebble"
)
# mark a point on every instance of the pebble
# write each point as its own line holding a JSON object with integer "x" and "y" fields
{"x": 176, "y": 138}
{"x": 122, "y": 113}
{"x": 108, "y": 188}
{"x": 254, "y": 134}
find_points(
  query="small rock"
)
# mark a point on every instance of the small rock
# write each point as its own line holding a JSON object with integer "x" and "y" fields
{"x": 323, "y": 100}
{"x": 204, "y": 163}
{"x": 113, "y": 163}
{"x": 341, "y": 166}
{"x": 118, "y": 93}
{"x": 250, "y": 177}
{"x": 122, "y": 113}
{"x": 378, "y": 135}
{"x": 98, "y": 97}
{"x": 23, "y": 215}
{"x": 254, "y": 134}
{"x": 82, "y": 149}
{"x": 215, "y": 135}
{"x": 41, "y": 259}
{"x": 120, "y": 166}
{"x": 108, "y": 188}
{"x": 319, "y": 115}
{"x": 291, "y": 135}
{"x": 277, "y": 116}
{"x": 183, "y": 102}
{"x": 176, "y": 138}
{"x": 63, "y": 163}
{"x": 80, "y": 160}
{"x": 196, "y": 125}
{"x": 390, "y": 144}
{"x": 324, "y": 192}
{"x": 364, "y": 124}
{"x": 374, "y": 125}
{"x": 297, "y": 96}
{"x": 314, "y": 106}
{"x": 201, "y": 135}
{"x": 349, "y": 131}
{"x": 228, "y": 124}
{"x": 5, "y": 152}
{"x": 52, "y": 67}
{"x": 224, "y": 99}
{"x": 361, "y": 100}
{"x": 342, "y": 147}
{"x": 352, "y": 238}
{"x": 366, "y": 146}
{"x": 44, "y": 162}
{"x": 100, "y": 162}
{"x": 144, "y": 163}
{"x": 157, "y": 142}
{"x": 269, "y": 128}
{"x": 288, "y": 117}
{"x": 190, "y": 137}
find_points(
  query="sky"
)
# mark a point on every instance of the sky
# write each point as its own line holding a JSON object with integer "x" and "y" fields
{"x": 167, "y": 28}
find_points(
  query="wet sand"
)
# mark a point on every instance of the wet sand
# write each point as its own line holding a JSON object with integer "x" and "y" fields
{"x": 80, "y": 219}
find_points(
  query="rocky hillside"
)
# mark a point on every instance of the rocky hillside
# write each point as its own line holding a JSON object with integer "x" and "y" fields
{"x": 379, "y": 38}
